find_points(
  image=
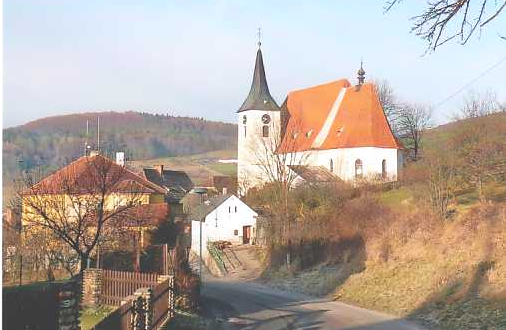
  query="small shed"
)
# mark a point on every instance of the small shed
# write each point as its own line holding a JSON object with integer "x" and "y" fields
{"x": 222, "y": 218}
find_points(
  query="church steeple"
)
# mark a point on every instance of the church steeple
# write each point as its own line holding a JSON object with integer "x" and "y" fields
{"x": 259, "y": 97}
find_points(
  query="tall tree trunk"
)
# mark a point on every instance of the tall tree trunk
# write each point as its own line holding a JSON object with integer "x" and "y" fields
{"x": 481, "y": 194}
{"x": 84, "y": 263}
{"x": 137, "y": 263}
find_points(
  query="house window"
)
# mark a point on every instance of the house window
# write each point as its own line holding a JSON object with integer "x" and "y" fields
{"x": 230, "y": 209}
{"x": 265, "y": 131}
{"x": 244, "y": 119}
{"x": 235, "y": 209}
{"x": 331, "y": 166}
{"x": 384, "y": 169}
{"x": 244, "y": 131}
{"x": 358, "y": 169}
{"x": 236, "y": 232}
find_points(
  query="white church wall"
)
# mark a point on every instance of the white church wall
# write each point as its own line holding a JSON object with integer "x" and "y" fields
{"x": 222, "y": 224}
{"x": 253, "y": 148}
{"x": 343, "y": 161}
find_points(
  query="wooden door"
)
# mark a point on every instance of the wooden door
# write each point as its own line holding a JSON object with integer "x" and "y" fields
{"x": 246, "y": 234}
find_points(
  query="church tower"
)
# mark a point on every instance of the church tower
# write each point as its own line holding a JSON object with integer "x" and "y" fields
{"x": 258, "y": 130}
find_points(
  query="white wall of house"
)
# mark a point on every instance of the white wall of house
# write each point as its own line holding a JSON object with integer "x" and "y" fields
{"x": 225, "y": 223}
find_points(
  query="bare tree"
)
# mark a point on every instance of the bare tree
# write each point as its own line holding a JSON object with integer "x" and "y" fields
{"x": 275, "y": 155}
{"x": 76, "y": 205}
{"x": 442, "y": 179}
{"x": 445, "y": 20}
{"x": 481, "y": 149}
{"x": 389, "y": 102}
{"x": 412, "y": 121}
{"x": 477, "y": 104}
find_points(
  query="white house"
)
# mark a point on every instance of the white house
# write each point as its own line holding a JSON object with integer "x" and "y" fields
{"x": 223, "y": 218}
{"x": 335, "y": 125}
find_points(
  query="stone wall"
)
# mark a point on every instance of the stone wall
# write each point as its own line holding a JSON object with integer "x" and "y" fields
{"x": 68, "y": 311}
{"x": 92, "y": 287}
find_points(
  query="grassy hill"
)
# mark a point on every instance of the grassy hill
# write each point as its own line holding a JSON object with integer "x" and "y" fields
{"x": 52, "y": 142}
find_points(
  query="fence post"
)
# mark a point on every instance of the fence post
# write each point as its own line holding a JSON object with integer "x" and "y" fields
{"x": 68, "y": 306}
{"x": 92, "y": 286}
{"x": 171, "y": 300}
{"x": 172, "y": 297}
{"x": 162, "y": 278}
{"x": 143, "y": 309}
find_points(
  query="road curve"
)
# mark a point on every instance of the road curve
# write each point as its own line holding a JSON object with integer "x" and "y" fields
{"x": 247, "y": 305}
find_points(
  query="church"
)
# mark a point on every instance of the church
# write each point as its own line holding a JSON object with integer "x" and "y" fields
{"x": 332, "y": 131}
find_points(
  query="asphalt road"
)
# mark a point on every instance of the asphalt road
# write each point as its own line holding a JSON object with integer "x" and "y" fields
{"x": 249, "y": 305}
{"x": 246, "y": 304}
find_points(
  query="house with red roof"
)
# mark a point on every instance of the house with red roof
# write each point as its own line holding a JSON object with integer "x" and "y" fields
{"x": 333, "y": 130}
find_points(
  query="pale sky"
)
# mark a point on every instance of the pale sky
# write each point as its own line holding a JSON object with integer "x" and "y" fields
{"x": 195, "y": 58}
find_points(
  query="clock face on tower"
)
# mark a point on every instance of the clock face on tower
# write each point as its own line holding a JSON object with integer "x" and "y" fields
{"x": 266, "y": 119}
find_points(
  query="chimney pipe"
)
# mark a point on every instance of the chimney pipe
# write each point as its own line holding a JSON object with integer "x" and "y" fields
{"x": 225, "y": 190}
{"x": 120, "y": 158}
{"x": 159, "y": 169}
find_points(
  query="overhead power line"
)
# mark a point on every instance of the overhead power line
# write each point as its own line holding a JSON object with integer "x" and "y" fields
{"x": 495, "y": 65}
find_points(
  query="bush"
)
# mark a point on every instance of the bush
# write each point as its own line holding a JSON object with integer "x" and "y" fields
{"x": 187, "y": 291}
{"x": 31, "y": 307}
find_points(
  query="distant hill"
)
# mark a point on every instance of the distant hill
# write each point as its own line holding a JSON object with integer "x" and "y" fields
{"x": 439, "y": 135}
{"x": 54, "y": 141}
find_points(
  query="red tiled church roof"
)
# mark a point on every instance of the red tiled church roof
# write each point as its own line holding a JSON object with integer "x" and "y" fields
{"x": 336, "y": 115}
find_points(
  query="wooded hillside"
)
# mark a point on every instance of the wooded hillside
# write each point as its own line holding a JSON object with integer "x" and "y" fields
{"x": 54, "y": 141}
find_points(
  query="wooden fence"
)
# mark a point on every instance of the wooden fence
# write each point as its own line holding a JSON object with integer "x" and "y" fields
{"x": 162, "y": 300}
{"x": 117, "y": 285}
{"x": 119, "y": 319}
{"x": 146, "y": 309}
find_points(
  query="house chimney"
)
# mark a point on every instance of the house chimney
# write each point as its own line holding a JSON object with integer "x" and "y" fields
{"x": 120, "y": 158}
{"x": 159, "y": 169}
{"x": 225, "y": 190}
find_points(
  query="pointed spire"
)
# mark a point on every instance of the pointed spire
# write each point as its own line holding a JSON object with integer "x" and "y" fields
{"x": 259, "y": 97}
{"x": 361, "y": 74}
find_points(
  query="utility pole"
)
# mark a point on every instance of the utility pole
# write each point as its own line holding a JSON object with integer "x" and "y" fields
{"x": 200, "y": 192}
{"x": 98, "y": 134}
{"x": 20, "y": 162}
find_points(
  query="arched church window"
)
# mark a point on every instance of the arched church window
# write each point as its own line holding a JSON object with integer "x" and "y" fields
{"x": 265, "y": 131}
{"x": 384, "y": 169}
{"x": 358, "y": 169}
{"x": 331, "y": 165}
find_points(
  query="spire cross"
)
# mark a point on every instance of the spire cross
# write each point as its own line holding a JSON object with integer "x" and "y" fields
{"x": 259, "y": 36}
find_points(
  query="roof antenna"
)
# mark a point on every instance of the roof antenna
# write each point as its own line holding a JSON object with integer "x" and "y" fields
{"x": 98, "y": 134}
{"x": 259, "y": 43}
{"x": 86, "y": 139}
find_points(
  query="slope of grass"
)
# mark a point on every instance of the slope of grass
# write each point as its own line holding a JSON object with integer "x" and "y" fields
{"x": 452, "y": 276}
{"x": 91, "y": 316}
{"x": 200, "y": 167}
{"x": 224, "y": 168}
